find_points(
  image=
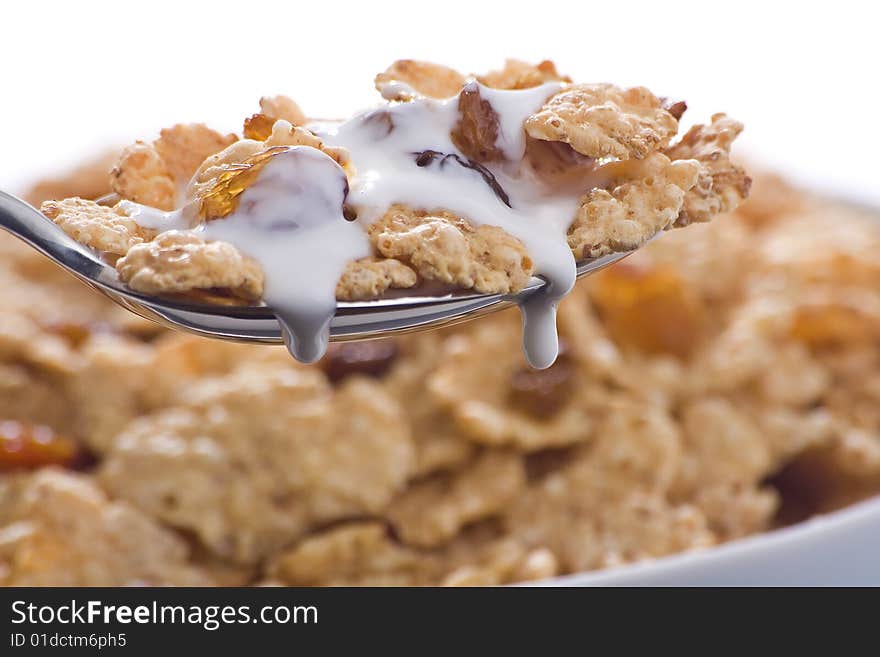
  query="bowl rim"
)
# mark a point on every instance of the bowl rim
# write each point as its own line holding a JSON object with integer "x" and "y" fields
{"x": 765, "y": 558}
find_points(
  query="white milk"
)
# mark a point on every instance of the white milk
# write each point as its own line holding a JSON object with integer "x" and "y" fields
{"x": 290, "y": 221}
{"x": 383, "y": 144}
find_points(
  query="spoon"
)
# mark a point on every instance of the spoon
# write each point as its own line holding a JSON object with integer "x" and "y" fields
{"x": 358, "y": 320}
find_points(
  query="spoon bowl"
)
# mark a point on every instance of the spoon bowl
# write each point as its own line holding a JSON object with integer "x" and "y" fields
{"x": 357, "y": 320}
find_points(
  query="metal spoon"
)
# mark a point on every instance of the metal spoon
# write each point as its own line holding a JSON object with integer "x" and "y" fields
{"x": 358, "y": 320}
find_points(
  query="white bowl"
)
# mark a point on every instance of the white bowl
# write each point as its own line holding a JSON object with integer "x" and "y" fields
{"x": 837, "y": 549}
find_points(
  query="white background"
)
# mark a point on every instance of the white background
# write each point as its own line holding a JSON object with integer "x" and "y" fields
{"x": 79, "y": 75}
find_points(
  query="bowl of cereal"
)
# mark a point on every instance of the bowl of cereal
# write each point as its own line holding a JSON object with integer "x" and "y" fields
{"x": 710, "y": 412}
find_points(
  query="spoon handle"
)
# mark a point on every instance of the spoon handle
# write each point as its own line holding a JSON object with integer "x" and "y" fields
{"x": 29, "y": 225}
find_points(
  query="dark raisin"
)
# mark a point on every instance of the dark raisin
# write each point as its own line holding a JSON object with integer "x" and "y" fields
{"x": 476, "y": 132}
{"x": 677, "y": 109}
{"x": 429, "y": 157}
{"x": 545, "y": 462}
{"x": 368, "y": 358}
{"x": 543, "y": 393}
{"x": 425, "y": 158}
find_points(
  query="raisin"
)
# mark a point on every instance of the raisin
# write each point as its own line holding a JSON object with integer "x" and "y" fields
{"x": 558, "y": 165}
{"x": 349, "y": 213}
{"x": 369, "y": 358}
{"x": 677, "y": 109}
{"x": 810, "y": 484}
{"x": 545, "y": 462}
{"x": 476, "y": 132}
{"x": 425, "y": 158}
{"x": 649, "y": 307}
{"x": 27, "y": 446}
{"x": 430, "y": 157}
{"x": 543, "y": 393}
